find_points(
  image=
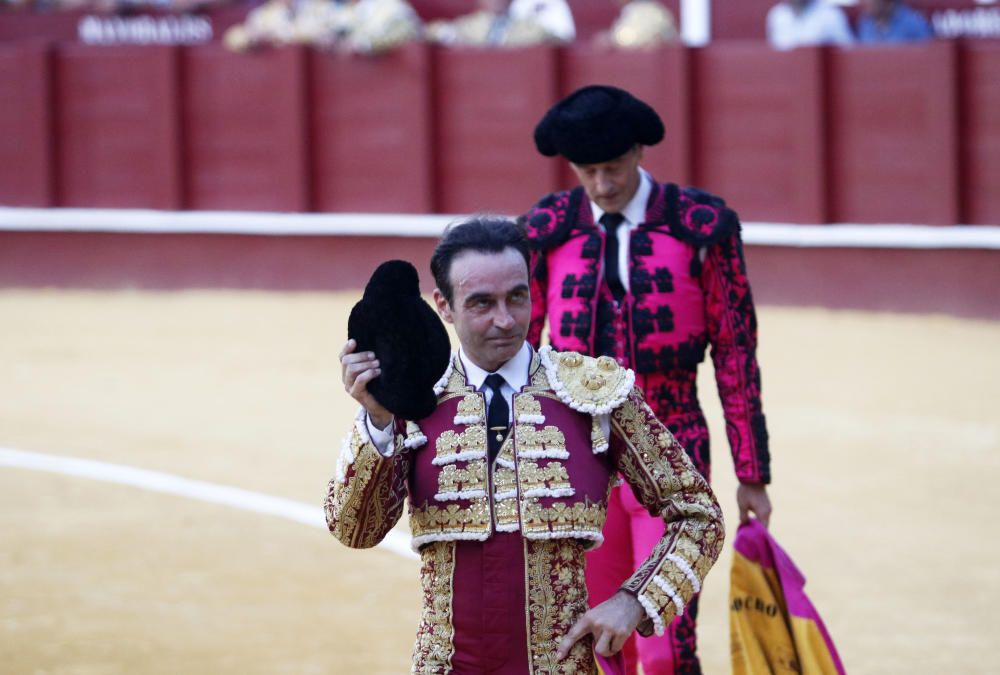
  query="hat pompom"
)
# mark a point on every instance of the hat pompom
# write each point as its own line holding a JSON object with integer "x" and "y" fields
{"x": 543, "y": 135}
{"x": 647, "y": 124}
{"x": 408, "y": 339}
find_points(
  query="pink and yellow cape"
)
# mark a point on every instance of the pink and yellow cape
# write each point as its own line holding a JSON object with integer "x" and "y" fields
{"x": 774, "y": 628}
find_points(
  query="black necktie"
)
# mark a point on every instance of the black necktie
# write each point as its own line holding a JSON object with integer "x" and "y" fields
{"x": 611, "y": 221}
{"x": 497, "y": 417}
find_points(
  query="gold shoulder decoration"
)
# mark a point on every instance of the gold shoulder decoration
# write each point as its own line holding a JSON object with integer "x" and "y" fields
{"x": 453, "y": 379}
{"x": 589, "y": 385}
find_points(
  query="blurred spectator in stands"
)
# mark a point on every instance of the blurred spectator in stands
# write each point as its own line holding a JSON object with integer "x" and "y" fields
{"x": 283, "y": 22}
{"x": 640, "y": 24}
{"x": 508, "y": 23}
{"x": 891, "y": 21}
{"x": 364, "y": 26}
{"x": 803, "y": 23}
{"x": 375, "y": 26}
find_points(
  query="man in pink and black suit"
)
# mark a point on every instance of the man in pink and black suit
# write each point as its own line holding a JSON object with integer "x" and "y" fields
{"x": 651, "y": 275}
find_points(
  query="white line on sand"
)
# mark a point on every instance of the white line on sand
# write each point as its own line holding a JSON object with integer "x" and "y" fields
{"x": 155, "y": 481}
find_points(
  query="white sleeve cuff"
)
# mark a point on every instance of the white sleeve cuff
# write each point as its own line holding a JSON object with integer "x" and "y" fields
{"x": 381, "y": 438}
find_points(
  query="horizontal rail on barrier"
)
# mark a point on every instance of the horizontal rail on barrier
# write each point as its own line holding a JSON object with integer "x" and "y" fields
{"x": 144, "y": 221}
{"x": 149, "y": 221}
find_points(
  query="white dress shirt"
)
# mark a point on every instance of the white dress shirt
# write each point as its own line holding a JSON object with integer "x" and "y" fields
{"x": 634, "y": 214}
{"x": 514, "y": 372}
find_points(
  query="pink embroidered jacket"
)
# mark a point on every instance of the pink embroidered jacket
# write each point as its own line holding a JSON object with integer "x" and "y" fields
{"x": 688, "y": 289}
{"x": 549, "y": 484}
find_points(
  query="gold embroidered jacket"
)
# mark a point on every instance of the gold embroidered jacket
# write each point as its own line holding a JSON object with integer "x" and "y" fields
{"x": 550, "y": 482}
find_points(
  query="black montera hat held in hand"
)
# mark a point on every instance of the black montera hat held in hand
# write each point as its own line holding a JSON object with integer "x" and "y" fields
{"x": 407, "y": 336}
{"x": 597, "y": 124}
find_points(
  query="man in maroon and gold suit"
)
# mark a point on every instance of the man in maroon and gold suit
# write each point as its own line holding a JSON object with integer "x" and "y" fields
{"x": 508, "y": 479}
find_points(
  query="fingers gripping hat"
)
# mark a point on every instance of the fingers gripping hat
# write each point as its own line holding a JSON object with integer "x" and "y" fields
{"x": 407, "y": 336}
{"x": 597, "y": 124}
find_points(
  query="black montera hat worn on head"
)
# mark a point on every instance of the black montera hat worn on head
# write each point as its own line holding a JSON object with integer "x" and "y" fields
{"x": 408, "y": 338}
{"x": 597, "y": 124}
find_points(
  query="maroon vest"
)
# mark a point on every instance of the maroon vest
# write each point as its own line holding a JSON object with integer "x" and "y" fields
{"x": 552, "y": 474}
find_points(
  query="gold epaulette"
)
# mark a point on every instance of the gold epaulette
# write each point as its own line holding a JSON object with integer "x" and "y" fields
{"x": 587, "y": 384}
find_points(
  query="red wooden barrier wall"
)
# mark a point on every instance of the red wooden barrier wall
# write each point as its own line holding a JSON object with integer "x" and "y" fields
{"x": 660, "y": 78}
{"x": 245, "y": 132}
{"x": 116, "y": 126}
{"x": 25, "y": 126}
{"x": 759, "y": 130}
{"x": 980, "y": 156}
{"x": 486, "y": 108}
{"x": 903, "y": 134}
{"x": 109, "y": 260}
{"x": 894, "y": 143}
{"x": 371, "y": 132}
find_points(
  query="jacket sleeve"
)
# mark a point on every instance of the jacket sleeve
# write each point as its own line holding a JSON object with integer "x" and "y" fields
{"x": 367, "y": 496}
{"x": 731, "y": 324}
{"x": 665, "y": 481}
{"x": 539, "y": 290}
{"x": 546, "y": 226}
{"x": 533, "y": 222}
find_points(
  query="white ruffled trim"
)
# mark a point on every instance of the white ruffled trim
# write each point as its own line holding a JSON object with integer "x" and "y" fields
{"x": 525, "y": 418}
{"x": 464, "y": 456}
{"x": 567, "y": 534}
{"x": 361, "y": 424}
{"x": 417, "y": 542}
{"x": 505, "y": 463}
{"x": 468, "y": 419}
{"x": 549, "y": 492}
{"x": 442, "y": 383}
{"x": 616, "y": 399}
{"x": 504, "y": 496}
{"x": 602, "y": 448}
{"x": 654, "y": 616}
{"x": 415, "y": 440}
{"x": 461, "y": 494}
{"x": 346, "y": 458}
{"x": 686, "y": 568}
{"x": 512, "y": 527}
{"x": 543, "y": 454}
{"x": 670, "y": 591}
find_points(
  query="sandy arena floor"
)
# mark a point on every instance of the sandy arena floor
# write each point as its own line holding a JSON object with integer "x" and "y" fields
{"x": 885, "y": 435}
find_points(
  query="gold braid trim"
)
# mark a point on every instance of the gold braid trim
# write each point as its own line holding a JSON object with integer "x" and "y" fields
{"x": 450, "y": 522}
{"x": 362, "y": 509}
{"x": 663, "y": 478}
{"x": 435, "y": 646}
{"x": 556, "y": 595}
